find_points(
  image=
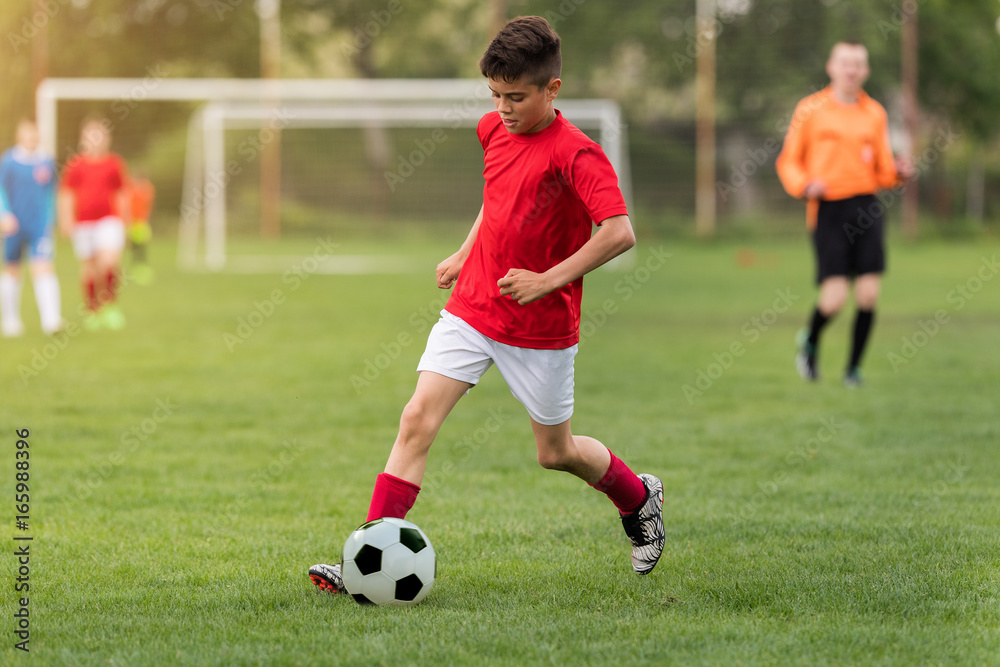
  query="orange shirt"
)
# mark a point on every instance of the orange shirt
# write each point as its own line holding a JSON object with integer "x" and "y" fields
{"x": 845, "y": 146}
{"x": 142, "y": 199}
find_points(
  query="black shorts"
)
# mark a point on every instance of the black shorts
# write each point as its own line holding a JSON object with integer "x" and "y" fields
{"x": 849, "y": 238}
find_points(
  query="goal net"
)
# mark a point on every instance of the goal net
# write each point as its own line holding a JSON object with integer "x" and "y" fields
{"x": 378, "y": 157}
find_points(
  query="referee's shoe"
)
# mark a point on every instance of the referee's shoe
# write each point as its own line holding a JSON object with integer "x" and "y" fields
{"x": 805, "y": 357}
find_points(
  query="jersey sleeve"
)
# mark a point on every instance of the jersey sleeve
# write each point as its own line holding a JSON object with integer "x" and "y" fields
{"x": 593, "y": 180}
{"x": 486, "y": 127}
{"x": 791, "y": 163}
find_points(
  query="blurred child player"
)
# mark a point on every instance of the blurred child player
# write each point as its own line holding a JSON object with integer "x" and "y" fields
{"x": 27, "y": 192}
{"x": 142, "y": 194}
{"x": 517, "y": 290}
{"x": 93, "y": 202}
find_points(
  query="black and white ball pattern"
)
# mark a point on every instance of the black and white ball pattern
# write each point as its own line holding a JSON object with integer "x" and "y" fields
{"x": 388, "y": 562}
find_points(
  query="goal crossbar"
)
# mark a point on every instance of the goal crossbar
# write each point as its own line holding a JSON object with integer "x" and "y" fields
{"x": 204, "y": 197}
{"x": 128, "y": 92}
{"x": 317, "y": 103}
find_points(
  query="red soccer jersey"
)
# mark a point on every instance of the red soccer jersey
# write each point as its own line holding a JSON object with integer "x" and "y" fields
{"x": 543, "y": 192}
{"x": 94, "y": 181}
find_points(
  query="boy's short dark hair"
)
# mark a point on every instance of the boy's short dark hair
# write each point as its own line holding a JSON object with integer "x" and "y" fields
{"x": 526, "y": 47}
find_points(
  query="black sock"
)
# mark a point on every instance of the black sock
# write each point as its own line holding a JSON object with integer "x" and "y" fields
{"x": 862, "y": 327}
{"x": 819, "y": 320}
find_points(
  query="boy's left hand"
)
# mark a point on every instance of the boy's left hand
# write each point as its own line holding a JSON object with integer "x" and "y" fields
{"x": 523, "y": 286}
{"x": 904, "y": 168}
{"x": 8, "y": 225}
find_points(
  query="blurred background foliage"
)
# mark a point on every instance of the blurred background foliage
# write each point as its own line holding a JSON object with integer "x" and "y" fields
{"x": 640, "y": 53}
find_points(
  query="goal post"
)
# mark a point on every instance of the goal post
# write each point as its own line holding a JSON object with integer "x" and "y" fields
{"x": 207, "y": 180}
{"x": 364, "y": 105}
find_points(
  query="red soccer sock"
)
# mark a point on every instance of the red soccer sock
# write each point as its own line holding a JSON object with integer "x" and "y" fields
{"x": 89, "y": 293}
{"x": 112, "y": 288}
{"x": 622, "y": 486}
{"x": 392, "y": 497}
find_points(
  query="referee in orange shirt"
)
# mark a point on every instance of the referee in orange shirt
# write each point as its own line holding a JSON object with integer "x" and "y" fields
{"x": 836, "y": 155}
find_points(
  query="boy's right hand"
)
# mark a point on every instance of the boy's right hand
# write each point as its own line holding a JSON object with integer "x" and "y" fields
{"x": 66, "y": 228}
{"x": 448, "y": 270}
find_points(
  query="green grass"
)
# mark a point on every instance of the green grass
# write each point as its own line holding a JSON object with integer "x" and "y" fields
{"x": 807, "y": 525}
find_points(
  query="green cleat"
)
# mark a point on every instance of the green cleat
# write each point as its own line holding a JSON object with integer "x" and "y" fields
{"x": 112, "y": 317}
{"x": 91, "y": 321}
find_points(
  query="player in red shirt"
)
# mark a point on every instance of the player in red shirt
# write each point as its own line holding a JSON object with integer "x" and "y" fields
{"x": 93, "y": 201}
{"x": 518, "y": 279}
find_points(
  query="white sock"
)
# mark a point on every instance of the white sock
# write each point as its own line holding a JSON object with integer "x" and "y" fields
{"x": 49, "y": 301}
{"x": 10, "y": 304}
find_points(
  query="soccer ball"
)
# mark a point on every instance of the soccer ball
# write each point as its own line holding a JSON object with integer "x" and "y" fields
{"x": 388, "y": 561}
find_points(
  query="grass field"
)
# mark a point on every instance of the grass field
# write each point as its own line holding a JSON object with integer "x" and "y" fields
{"x": 184, "y": 473}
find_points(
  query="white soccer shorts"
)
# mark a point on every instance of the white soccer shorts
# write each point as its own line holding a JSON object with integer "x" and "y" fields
{"x": 542, "y": 380}
{"x": 108, "y": 233}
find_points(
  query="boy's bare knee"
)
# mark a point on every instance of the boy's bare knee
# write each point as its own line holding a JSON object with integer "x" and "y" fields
{"x": 416, "y": 421}
{"x": 555, "y": 456}
{"x": 552, "y": 460}
{"x": 867, "y": 301}
{"x": 866, "y": 294}
{"x": 831, "y": 304}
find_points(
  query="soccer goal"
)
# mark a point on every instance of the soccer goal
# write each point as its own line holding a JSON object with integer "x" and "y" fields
{"x": 383, "y": 153}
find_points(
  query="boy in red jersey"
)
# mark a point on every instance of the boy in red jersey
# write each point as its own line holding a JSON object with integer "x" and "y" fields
{"x": 518, "y": 282}
{"x": 93, "y": 202}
